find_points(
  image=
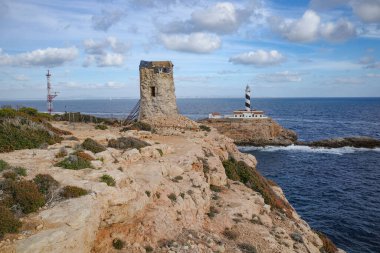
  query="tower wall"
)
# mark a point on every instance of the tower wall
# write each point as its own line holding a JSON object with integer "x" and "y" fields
{"x": 157, "y": 92}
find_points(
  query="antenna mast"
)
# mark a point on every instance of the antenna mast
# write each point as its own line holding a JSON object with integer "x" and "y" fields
{"x": 50, "y": 95}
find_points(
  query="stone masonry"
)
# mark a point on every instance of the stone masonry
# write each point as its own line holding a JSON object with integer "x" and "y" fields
{"x": 157, "y": 92}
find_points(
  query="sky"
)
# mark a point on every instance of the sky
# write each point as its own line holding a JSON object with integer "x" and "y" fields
{"x": 281, "y": 48}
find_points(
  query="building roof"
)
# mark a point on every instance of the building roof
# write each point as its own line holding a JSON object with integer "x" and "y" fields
{"x": 153, "y": 64}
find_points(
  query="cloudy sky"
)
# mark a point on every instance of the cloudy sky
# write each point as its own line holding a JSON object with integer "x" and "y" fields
{"x": 281, "y": 48}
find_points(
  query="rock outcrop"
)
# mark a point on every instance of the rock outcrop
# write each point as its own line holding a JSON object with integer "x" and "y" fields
{"x": 171, "y": 196}
{"x": 260, "y": 132}
{"x": 357, "y": 142}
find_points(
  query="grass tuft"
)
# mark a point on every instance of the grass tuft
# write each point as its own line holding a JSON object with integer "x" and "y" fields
{"x": 70, "y": 191}
{"x": 205, "y": 128}
{"x": 118, "y": 244}
{"x": 8, "y": 222}
{"x": 110, "y": 181}
{"x": 74, "y": 162}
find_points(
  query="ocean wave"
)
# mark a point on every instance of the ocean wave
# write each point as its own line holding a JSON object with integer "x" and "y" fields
{"x": 306, "y": 149}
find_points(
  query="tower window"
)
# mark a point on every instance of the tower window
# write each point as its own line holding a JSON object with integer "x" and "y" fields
{"x": 153, "y": 91}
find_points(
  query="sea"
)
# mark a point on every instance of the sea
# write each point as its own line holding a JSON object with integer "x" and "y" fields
{"x": 337, "y": 191}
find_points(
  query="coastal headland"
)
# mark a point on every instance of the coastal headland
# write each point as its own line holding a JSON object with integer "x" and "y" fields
{"x": 179, "y": 187}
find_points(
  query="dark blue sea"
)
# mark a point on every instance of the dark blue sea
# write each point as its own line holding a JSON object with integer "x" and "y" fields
{"x": 336, "y": 191}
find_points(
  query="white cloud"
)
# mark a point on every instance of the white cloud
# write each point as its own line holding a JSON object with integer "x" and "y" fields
{"x": 304, "y": 29}
{"x": 281, "y": 77}
{"x": 339, "y": 31}
{"x": 105, "y": 53}
{"x": 221, "y": 18}
{"x": 367, "y": 10}
{"x": 259, "y": 58}
{"x": 106, "y": 19}
{"x": 107, "y": 85}
{"x": 309, "y": 28}
{"x": 373, "y": 75}
{"x": 21, "y": 78}
{"x": 49, "y": 57}
{"x": 348, "y": 80}
{"x": 195, "y": 42}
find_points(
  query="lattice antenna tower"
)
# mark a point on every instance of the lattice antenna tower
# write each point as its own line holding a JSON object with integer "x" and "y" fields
{"x": 50, "y": 95}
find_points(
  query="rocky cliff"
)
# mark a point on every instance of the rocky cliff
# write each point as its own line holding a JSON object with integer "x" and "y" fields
{"x": 188, "y": 191}
{"x": 260, "y": 132}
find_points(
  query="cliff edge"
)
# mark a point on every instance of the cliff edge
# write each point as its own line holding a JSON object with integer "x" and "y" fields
{"x": 179, "y": 191}
{"x": 258, "y": 132}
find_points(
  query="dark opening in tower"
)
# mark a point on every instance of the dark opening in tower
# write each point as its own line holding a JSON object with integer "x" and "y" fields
{"x": 153, "y": 91}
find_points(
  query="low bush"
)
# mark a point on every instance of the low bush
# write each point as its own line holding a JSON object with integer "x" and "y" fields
{"x": 73, "y": 192}
{"x": 160, "y": 152}
{"x": 93, "y": 146}
{"x": 230, "y": 234}
{"x": 126, "y": 143}
{"x": 8, "y": 222}
{"x": 29, "y": 111}
{"x": 213, "y": 212}
{"x": 247, "y": 248}
{"x": 101, "y": 127}
{"x": 84, "y": 155}
{"x": 27, "y": 195}
{"x": 141, "y": 126}
{"x": 205, "y": 128}
{"x": 21, "y": 171}
{"x": 4, "y": 165}
{"x": 172, "y": 197}
{"x": 328, "y": 245}
{"x": 110, "y": 181}
{"x": 177, "y": 179}
{"x": 148, "y": 249}
{"x": 118, "y": 244}
{"x": 46, "y": 184}
{"x": 10, "y": 175}
{"x": 216, "y": 188}
{"x": 74, "y": 162}
{"x": 240, "y": 171}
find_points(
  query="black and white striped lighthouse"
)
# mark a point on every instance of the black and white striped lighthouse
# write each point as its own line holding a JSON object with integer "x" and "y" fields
{"x": 247, "y": 98}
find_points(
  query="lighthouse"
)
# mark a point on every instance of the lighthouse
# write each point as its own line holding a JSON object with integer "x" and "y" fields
{"x": 247, "y": 99}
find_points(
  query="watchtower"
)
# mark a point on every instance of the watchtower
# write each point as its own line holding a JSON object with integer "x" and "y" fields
{"x": 157, "y": 92}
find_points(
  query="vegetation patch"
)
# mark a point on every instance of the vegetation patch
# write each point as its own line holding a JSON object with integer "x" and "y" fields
{"x": 118, "y": 244}
{"x": 127, "y": 143}
{"x": 240, "y": 171}
{"x": 73, "y": 192}
{"x": 230, "y": 234}
{"x": 148, "y": 248}
{"x": 247, "y": 248}
{"x": 74, "y": 162}
{"x": 8, "y": 222}
{"x": 328, "y": 245}
{"x": 93, "y": 146}
{"x": 10, "y": 175}
{"x": 4, "y": 165}
{"x": 177, "y": 179}
{"x": 21, "y": 171}
{"x": 61, "y": 153}
{"x": 213, "y": 212}
{"x": 101, "y": 127}
{"x": 216, "y": 188}
{"x": 46, "y": 184}
{"x": 26, "y": 194}
{"x": 110, "y": 181}
{"x": 160, "y": 152}
{"x": 84, "y": 155}
{"x": 205, "y": 128}
{"x": 140, "y": 126}
{"x": 172, "y": 197}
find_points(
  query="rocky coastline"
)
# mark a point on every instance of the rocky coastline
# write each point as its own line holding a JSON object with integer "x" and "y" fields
{"x": 184, "y": 189}
{"x": 267, "y": 132}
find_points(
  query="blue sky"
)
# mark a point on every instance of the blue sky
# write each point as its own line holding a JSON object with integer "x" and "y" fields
{"x": 280, "y": 48}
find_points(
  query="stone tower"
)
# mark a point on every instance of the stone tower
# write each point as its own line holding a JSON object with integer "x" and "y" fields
{"x": 157, "y": 93}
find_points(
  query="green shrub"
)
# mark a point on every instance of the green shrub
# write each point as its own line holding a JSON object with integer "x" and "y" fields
{"x": 230, "y": 234}
{"x": 74, "y": 162}
{"x": 4, "y": 165}
{"x": 148, "y": 248}
{"x": 29, "y": 111}
{"x": 10, "y": 175}
{"x": 160, "y": 151}
{"x": 110, "y": 181}
{"x": 61, "y": 153}
{"x": 172, "y": 197}
{"x": 26, "y": 194}
{"x": 118, "y": 244}
{"x": 126, "y": 143}
{"x": 205, "y": 128}
{"x": 73, "y": 192}
{"x": 93, "y": 146}
{"x": 101, "y": 127}
{"x": 8, "y": 222}
{"x": 177, "y": 179}
{"x": 8, "y": 112}
{"x": 46, "y": 184}
{"x": 84, "y": 155}
{"x": 213, "y": 212}
{"x": 247, "y": 248}
{"x": 21, "y": 171}
{"x": 141, "y": 126}
{"x": 240, "y": 171}
{"x": 148, "y": 193}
